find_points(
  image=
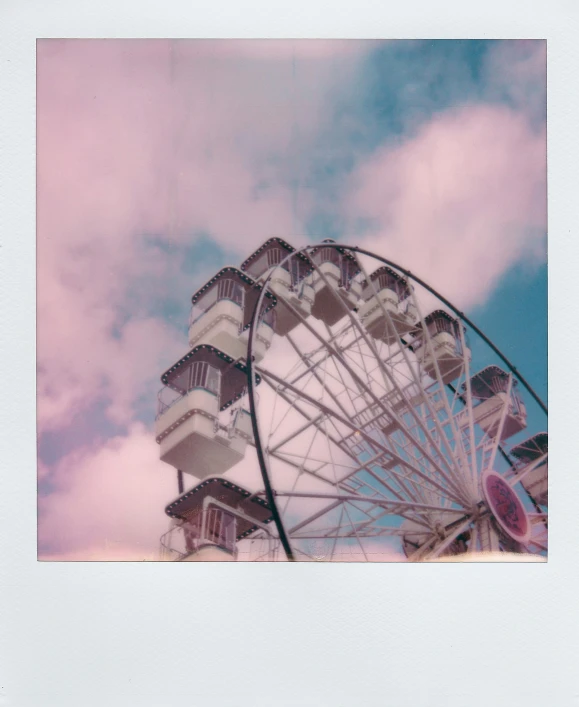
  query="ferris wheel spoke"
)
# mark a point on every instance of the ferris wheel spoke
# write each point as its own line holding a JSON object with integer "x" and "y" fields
{"x": 408, "y": 487}
{"x": 389, "y": 453}
{"x": 321, "y": 417}
{"x": 451, "y": 418}
{"x": 348, "y": 390}
{"x": 401, "y": 449}
{"x": 323, "y": 462}
{"x": 404, "y": 492}
{"x": 497, "y": 437}
{"x": 318, "y": 377}
{"x": 417, "y": 516}
{"x": 357, "y": 357}
{"x": 407, "y": 445}
{"x": 344, "y": 449}
{"x": 402, "y": 347}
{"x": 530, "y": 467}
{"x": 366, "y": 529}
{"x": 410, "y": 438}
{"x": 376, "y": 400}
{"x": 336, "y": 533}
{"x": 412, "y": 431}
{"x": 355, "y": 532}
{"x": 468, "y": 403}
{"x": 295, "y": 433}
{"x": 352, "y": 471}
{"x": 403, "y": 485}
{"x": 402, "y": 512}
{"x": 273, "y": 429}
{"x": 333, "y": 462}
{"x": 298, "y": 408}
{"x": 392, "y": 506}
{"x": 301, "y": 468}
{"x": 412, "y": 487}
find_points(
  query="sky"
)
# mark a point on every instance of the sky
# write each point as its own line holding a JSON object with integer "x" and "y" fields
{"x": 158, "y": 162}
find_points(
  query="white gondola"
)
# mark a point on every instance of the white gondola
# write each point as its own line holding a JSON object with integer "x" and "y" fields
{"x": 489, "y": 390}
{"x": 444, "y": 334}
{"x": 388, "y": 291}
{"x": 221, "y": 315}
{"x": 535, "y": 481}
{"x": 437, "y": 526}
{"x": 288, "y": 282}
{"x": 199, "y": 386}
{"x": 210, "y": 519}
{"x": 334, "y": 283}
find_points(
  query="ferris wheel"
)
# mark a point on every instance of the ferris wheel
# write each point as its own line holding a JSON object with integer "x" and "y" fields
{"x": 330, "y": 408}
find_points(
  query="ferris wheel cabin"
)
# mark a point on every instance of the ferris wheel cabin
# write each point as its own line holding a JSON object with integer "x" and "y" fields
{"x": 333, "y": 282}
{"x": 221, "y": 315}
{"x": 196, "y": 389}
{"x": 444, "y": 348}
{"x": 388, "y": 311}
{"x": 535, "y": 481}
{"x": 210, "y": 519}
{"x": 288, "y": 281}
{"x": 490, "y": 392}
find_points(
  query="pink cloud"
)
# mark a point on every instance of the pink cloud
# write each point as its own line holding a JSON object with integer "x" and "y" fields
{"x": 150, "y": 137}
{"x": 460, "y": 202}
{"x": 108, "y": 501}
{"x": 518, "y": 69}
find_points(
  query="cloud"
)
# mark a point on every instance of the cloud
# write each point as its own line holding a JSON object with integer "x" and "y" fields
{"x": 82, "y": 363}
{"x": 516, "y": 72}
{"x": 141, "y": 138}
{"x": 108, "y": 501}
{"x": 460, "y": 203}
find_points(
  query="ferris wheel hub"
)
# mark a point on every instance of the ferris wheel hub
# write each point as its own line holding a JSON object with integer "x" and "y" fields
{"x": 506, "y": 507}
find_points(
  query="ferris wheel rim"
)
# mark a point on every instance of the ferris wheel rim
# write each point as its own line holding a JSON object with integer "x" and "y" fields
{"x": 270, "y": 493}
